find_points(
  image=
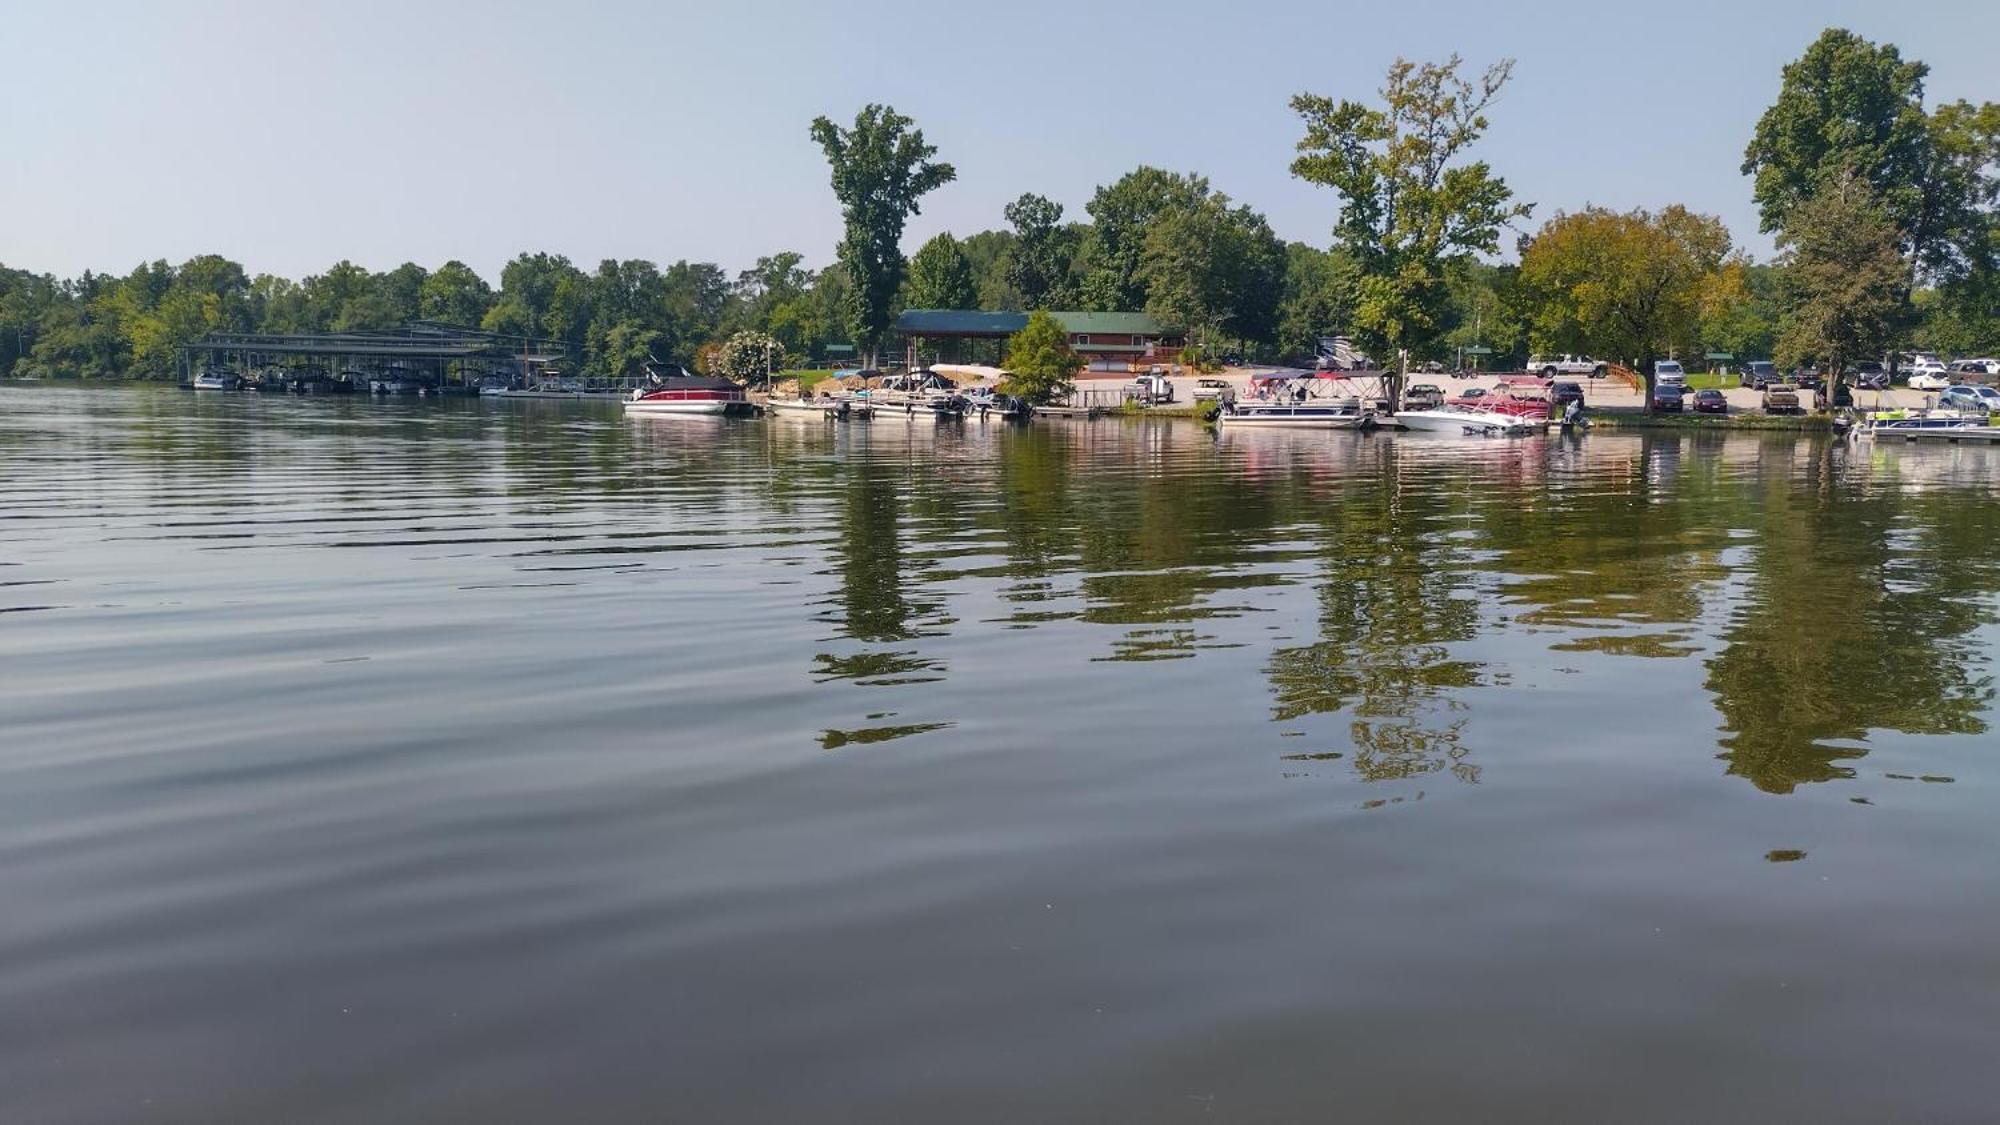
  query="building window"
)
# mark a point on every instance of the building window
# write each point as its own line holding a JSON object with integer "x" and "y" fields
{"x": 1079, "y": 340}
{"x": 1138, "y": 341}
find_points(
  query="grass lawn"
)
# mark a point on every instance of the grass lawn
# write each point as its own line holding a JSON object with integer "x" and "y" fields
{"x": 807, "y": 377}
{"x": 1703, "y": 381}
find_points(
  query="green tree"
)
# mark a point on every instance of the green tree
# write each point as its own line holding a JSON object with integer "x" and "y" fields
{"x": 1409, "y": 206}
{"x": 1318, "y": 297}
{"x": 1632, "y": 285}
{"x": 1850, "y": 105}
{"x": 1843, "y": 282}
{"x": 454, "y": 295}
{"x": 1214, "y": 270}
{"x": 881, "y": 169}
{"x": 940, "y": 277}
{"x": 1122, "y": 214}
{"x": 1041, "y": 366}
{"x": 1038, "y": 263}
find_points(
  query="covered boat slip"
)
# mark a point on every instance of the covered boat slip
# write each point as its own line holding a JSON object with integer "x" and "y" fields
{"x": 439, "y": 355}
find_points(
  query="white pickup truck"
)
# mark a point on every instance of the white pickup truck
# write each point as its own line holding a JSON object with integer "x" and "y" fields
{"x": 1550, "y": 366}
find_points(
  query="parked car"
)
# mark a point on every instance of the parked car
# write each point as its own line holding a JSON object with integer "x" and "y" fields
{"x": 1782, "y": 398}
{"x": 1667, "y": 400}
{"x": 1472, "y": 394}
{"x": 1422, "y": 396}
{"x": 1554, "y": 365}
{"x": 1758, "y": 374}
{"x": 1966, "y": 396}
{"x": 1206, "y": 389}
{"x": 1808, "y": 378}
{"x": 1711, "y": 401}
{"x": 1870, "y": 376}
{"x": 1151, "y": 389}
{"x": 1980, "y": 366}
{"x": 1929, "y": 381}
{"x": 1668, "y": 373}
{"x": 1922, "y": 366}
{"x": 1562, "y": 392}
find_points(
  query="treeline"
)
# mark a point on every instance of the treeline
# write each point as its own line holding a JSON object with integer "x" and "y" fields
{"x": 1883, "y": 210}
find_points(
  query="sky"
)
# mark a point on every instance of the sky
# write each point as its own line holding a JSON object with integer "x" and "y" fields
{"x": 290, "y": 135}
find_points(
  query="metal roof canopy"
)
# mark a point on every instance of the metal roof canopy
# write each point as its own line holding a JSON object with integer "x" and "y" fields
{"x": 415, "y": 341}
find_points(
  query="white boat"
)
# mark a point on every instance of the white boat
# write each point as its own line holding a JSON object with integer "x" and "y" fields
{"x": 217, "y": 381}
{"x": 1309, "y": 415}
{"x": 690, "y": 395}
{"x": 828, "y": 408}
{"x": 1469, "y": 423}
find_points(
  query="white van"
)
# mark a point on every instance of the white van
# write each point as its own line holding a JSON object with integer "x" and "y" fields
{"x": 1668, "y": 373}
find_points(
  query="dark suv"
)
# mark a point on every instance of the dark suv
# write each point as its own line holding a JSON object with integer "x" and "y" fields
{"x": 1562, "y": 392}
{"x": 1758, "y": 374}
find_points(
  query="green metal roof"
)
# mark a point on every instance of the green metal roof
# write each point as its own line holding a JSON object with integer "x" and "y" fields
{"x": 959, "y": 322}
{"x": 1110, "y": 323}
{"x": 972, "y": 322}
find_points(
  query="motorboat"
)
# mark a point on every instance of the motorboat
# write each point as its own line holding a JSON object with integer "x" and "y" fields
{"x": 689, "y": 395}
{"x": 395, "y": 385}
{"x": 218, "y": 381}
{"x": 1470, "y": 423}
{"x": 1347, "y": 414}
{"x": 827, "y": 408}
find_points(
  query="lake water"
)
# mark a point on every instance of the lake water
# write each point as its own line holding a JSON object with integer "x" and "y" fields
{"x": 474, "y": 762}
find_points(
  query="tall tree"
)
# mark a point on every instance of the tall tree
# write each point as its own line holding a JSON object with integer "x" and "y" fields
{"x": 1843, "y": 280}
{"x": 1633, "y": 285}
{"x": 940, "y": 277}
{"x": 881, "y": 169}
{"x": 1410, "y": 207}
{"x": 1122, "y": 214}
{"x": 1038, "y": 264}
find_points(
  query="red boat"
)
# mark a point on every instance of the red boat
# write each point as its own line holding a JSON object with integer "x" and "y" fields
{"x": 689, "y": 394}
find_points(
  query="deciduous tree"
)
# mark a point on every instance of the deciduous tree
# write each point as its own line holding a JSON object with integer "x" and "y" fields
{"x": 1410, "y": 206}
{"x": 1843, "y": 280}
{"x": 1038, "y": 263}
{"x": 1632, "y": 285}
{"x": 881, "y": 169}
{"x": 940, "y": 277}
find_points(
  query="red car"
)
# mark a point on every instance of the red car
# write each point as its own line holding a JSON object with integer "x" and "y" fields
{"x": 1710, "y": 401}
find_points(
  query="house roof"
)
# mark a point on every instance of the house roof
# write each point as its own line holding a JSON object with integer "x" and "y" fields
{"x": 959, "y": 322}
{"x": 1111, "y": 323}
{"x": 972, "y": 322}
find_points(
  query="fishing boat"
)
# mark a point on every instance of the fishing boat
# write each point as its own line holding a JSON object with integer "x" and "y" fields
{"x": 1470, "y": 423}
{"x": 1348, "y": 414}
{"x": 217, "y": 381}
{"x": 689, "y": 395}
